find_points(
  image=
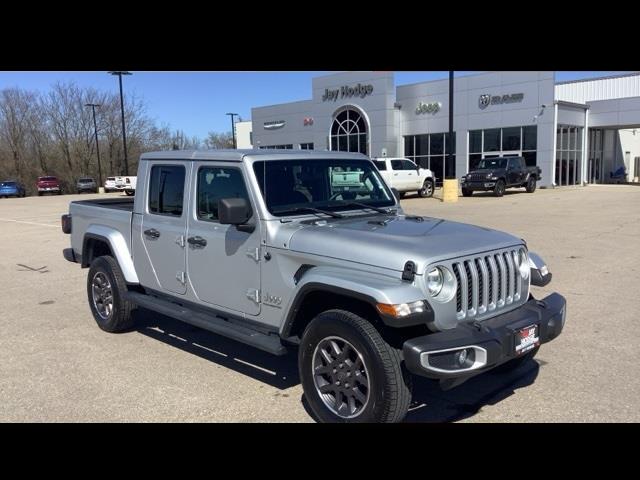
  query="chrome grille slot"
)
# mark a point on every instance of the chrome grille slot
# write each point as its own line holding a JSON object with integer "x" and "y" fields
{"x": 488, "y": 283}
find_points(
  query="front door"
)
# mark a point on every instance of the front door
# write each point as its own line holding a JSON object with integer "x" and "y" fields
{"x": 163, "y": 227}
{"x": 223, "y": 263}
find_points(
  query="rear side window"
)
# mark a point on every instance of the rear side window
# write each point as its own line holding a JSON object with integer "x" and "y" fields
{"x": 215, "y": 183}
{"x": 407, "y": 165}
{"x": 166, "y": 190}
{"x": 382, "y": 165}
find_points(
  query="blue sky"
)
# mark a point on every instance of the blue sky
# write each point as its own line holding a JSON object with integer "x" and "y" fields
{"x": 196, "y": 102}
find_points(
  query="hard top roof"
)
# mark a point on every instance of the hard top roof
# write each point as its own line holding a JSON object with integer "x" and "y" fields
{"x": 240, "y": 155}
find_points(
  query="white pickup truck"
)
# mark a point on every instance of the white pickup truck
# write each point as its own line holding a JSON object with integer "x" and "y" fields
{"x": 405, "y": 176}
{"x": 126, "y": 184}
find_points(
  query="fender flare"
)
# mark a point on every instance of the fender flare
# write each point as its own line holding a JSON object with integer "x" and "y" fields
{"x": 119, "y": 248}
{"x": 363, "y": 286}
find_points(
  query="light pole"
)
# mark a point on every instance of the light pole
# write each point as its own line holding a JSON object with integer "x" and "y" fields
{"x": 95, "y": 130}
{"x": 450, "y": 182}
{"x": 124, "y": 134}
{"x": 233, "y": 128}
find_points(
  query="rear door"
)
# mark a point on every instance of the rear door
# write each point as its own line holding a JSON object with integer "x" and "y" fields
{"x": 399, "y": 175}
{"x": 413, "y": 178}
{"x": 164, "y": 225}
{"x": 223, "y": 263}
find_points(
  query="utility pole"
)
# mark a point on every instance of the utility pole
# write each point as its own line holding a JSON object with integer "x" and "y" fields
{"x": 233, "y": 128}
{"x": 95, "y": 131}
{"x": 124, "y": 134}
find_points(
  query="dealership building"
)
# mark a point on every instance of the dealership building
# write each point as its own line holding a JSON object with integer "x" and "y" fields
{"x": 578, "y": 132}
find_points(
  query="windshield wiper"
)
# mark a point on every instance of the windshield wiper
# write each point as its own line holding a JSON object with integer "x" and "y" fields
{"x": 364, "y": 205}
{"x": 309, "y": 209}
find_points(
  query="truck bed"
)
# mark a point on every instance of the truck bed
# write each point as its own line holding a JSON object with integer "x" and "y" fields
{"x": 100, "y": 216}
{"x": 119, "y": 203}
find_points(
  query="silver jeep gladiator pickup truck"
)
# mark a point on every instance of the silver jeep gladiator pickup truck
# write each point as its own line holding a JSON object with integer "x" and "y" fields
{"x": 312, "y": 250}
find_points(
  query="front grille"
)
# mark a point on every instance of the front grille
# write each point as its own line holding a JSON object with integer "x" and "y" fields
{"x": 488, "y": 283}
{"x": 477, "y": 177}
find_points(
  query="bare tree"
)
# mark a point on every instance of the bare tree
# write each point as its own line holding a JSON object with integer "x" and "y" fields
{"x": 217, "y": 140}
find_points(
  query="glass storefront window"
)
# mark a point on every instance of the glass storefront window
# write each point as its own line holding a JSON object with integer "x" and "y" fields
{"x": 511, "y": 138}
{"x": 437, "y": 144}
{"x": 422, "y": 144}
{"x": 430, "y": 151}
{"x": 492, "y": 140}
{"x": 530, "y": 137}
{"x": 475, "y": 141}
{"x": 408, "y": 146}
{"x": 530, "y": 158}
{"x": 474, "y": 160}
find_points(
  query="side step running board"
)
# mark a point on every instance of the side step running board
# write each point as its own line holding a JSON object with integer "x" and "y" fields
{"x": 213, "y": 323}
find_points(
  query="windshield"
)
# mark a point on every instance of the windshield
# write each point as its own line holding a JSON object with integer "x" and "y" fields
{"x": 492, "y": 163}
{"x": 86, "y": 180}
{"x": 48, "y": 179}
{"x": 292, "y": 186}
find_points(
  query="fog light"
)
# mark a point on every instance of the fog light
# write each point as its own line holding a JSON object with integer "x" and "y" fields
{"x": 455, "y": 359}
{"x": 462, "y": 357}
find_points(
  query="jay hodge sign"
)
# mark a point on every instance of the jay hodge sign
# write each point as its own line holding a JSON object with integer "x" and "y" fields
{"x": 347, "y": 92}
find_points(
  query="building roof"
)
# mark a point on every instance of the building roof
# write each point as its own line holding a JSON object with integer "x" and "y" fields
{"x": 239, "y": 155}
{"x": 606, "y": 77}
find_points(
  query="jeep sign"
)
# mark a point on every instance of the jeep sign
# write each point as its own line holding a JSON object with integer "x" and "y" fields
{"x": 433, "y": 107}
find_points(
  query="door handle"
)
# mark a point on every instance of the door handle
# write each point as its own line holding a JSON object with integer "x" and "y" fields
{"x": 152, "y": 233}
{"x": 197, "y": 242}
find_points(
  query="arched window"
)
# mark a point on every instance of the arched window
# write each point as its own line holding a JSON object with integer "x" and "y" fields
{"x": 349, "y": 132}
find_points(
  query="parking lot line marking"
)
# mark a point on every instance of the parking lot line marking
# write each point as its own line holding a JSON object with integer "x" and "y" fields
{"x": 28, "y": 223}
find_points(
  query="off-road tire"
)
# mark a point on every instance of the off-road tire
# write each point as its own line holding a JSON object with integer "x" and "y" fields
{"x": 466, "y": 193}
{"x": 531, "y": 185}
{"x": 511, "y": 365}
{"x": 121, "y": 318}
{"x": 498, "y": 190}
{"x": 389, "y": 393}
{"x": 427, "y": 189}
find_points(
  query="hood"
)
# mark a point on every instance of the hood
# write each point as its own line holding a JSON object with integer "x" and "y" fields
{"x": 494, "y": 171}
{"x": 400, "y": 239}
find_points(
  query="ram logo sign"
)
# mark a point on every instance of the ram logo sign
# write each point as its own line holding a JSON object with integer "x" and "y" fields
{"x": 485, "y": 99}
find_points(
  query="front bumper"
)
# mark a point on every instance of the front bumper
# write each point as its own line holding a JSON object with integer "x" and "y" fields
{"x": 494, "y": 338}
{"x": 484, "y": 185}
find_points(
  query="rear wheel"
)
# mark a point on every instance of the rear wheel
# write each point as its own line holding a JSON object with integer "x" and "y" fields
{"x": 531, "y": 185}
{"x": 106, "y": 289}
{"x": 498, "y": 190}
{"x": 349, "y": 373}
{"x": 427, "y": 189}
{"x": 466, "y": 192}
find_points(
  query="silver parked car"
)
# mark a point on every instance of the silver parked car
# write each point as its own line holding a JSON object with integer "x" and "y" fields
{"x": 312, "y": 251}
{"x": 87, "y": 184}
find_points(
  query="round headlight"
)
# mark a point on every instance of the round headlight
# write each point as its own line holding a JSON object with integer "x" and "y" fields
{"x": 441, "y": 284}
{"x": 523, "y": 264}
{"x": 435, "y": 281}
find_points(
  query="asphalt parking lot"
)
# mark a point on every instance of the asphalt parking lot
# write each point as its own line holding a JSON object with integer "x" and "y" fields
{"x": 56, "y": 365}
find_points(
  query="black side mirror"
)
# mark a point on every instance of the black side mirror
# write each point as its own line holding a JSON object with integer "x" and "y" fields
{"x": 235, "y": 211}
{"x": 396, "y": 193}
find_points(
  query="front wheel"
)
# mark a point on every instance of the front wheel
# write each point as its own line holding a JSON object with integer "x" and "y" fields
{"x": 349, "y": 373}
{"x": 498, "y": 190}
{"x": 531, "y": 185}
{"x": 427, "y": 189}
{"x": 106, "y": 289}
{"x": 466, "y": 192}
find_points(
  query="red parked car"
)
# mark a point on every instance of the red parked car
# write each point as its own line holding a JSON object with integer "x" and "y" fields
{"x": 48, "y": 185}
